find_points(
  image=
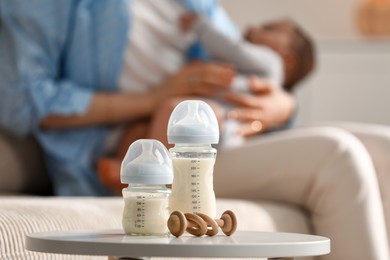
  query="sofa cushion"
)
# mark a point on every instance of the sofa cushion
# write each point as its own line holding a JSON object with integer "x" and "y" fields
{"x": 22, "y": 215}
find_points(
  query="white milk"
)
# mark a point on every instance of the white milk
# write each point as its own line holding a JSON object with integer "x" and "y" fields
{"x": 145, "y": 214}
{"x": 192, "y": 187}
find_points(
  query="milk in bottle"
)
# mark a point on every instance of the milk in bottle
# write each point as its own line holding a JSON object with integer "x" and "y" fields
{"x": 193, "y": 127}
{"x": 147, "y": 169}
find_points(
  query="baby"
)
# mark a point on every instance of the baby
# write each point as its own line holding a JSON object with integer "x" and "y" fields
{"x": 278, "y": 51}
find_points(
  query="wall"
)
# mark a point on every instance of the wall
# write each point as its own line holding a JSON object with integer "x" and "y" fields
{"x": 322, "y": 18}
{"x": 352, "y": 79}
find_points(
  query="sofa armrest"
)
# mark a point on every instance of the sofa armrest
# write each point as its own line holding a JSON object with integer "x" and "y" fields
{"x": 22, "y": 167}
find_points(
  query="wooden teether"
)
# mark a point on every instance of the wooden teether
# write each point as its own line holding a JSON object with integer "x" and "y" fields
{"x": 200, "y": 224}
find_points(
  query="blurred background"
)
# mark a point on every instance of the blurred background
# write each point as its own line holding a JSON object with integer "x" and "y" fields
{"x": 352, "y": 78}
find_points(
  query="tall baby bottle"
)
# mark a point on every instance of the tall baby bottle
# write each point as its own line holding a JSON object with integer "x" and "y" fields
{"x": 192, "y": 128}
{"x": 147, "y": 169}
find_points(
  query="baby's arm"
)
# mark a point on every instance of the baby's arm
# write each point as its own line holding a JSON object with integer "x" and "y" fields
{"x": 248, "y": 58}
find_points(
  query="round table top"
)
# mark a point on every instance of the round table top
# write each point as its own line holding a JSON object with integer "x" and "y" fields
{"x": 240, "y": 244}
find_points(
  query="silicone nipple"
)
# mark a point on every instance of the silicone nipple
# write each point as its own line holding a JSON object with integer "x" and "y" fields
{"x": 193, "y": 122}
{"x": 147, "y": 155}
{"x": 192, "y": 116}
{"x": 147, "y": 162}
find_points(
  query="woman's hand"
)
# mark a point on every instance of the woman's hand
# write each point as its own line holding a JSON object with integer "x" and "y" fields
{"x": 268, "y": 106}
{"x": 197, "y": 79}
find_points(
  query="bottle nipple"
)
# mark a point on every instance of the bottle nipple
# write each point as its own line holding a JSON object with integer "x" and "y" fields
{"x": 193, "y": 122}
{"x": 193, "y": 114}
{"x": 147, "y": 162}
{"x": 147, "y": 155}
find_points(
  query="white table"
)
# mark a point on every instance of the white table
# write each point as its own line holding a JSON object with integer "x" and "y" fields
{"x": 240, "y": 244}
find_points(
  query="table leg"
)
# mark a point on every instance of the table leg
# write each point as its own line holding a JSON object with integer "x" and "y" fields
{"x": 127, "y": 258}
{"x": 144, "y": 258}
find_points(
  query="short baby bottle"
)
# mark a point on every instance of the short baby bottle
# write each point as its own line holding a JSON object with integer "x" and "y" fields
{"x": 147, "y": 169}
{"x": 192, "y": 128}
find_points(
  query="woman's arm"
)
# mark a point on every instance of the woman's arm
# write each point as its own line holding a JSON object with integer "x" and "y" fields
{"x": 266, "y": 108}
{"x": 105, "y": 109}
{"x": 43, "y": 72}
{"x": 197, "y": 79}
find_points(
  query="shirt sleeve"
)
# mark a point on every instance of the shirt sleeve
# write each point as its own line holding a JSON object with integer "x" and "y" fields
{"x": 33, "y": 38}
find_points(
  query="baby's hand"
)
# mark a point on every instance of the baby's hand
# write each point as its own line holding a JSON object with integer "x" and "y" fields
{"x": 187, "y": 20}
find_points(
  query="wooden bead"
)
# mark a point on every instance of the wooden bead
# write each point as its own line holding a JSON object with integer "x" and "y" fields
{"x": 229, "y": 224}
{"x": 177, "y": 223}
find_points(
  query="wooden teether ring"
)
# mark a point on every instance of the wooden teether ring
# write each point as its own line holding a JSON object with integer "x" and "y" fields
{"x": 196, "y": 225}
{"x": 228, "y": 222}
{"x": 177, "y": 223}
{"x": 212, "y": 226}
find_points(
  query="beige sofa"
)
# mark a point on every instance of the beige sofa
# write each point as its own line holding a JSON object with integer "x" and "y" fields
{"x": 26, "y": 205}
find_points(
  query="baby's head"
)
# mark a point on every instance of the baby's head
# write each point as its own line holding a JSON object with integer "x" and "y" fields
{"x": 291, "y": 42}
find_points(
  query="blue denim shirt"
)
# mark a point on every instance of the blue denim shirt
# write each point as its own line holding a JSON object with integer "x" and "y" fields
{"x": 53, "y": 56}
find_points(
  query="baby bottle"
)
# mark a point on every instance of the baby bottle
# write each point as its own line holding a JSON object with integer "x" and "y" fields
{"x": 147, "y": 169}
{"x": 192, "y": 128}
